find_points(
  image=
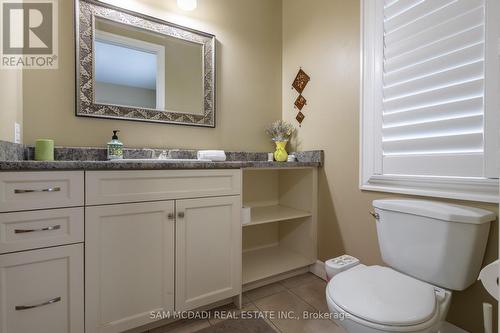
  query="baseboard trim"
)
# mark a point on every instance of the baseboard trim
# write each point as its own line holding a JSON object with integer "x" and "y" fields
{"x": 164, "y": 322}
{"x": 450, "y": 328}
{"x": 318, "y": 269}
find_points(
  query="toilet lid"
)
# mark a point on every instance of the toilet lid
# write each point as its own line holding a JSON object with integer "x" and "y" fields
{"x": 383, "y": 296}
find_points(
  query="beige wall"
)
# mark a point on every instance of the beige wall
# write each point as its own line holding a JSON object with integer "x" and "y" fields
{"x": 248, "y": 81}
{"x": 322, "y": 36}
{"x": 11, "y": 102}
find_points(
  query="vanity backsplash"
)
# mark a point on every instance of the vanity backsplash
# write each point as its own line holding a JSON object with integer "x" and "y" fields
{"x": 12, "y": 151}
{"x": 17, "y": 152}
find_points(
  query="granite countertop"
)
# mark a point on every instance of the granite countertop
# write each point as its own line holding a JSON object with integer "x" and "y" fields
{"x": 145, "y": 165}
{"x": 15, "y": 157}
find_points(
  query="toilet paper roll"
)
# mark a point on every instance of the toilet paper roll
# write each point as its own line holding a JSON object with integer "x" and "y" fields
{"x": 246, "y": 215}
{"x": 489, "y": 278}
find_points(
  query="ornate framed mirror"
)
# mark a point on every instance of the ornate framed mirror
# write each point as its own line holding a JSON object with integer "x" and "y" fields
{"x": 136, "y": 67}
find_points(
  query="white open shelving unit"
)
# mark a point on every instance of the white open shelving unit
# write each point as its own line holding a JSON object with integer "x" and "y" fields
{"x": 282, "y": 234}
{"x": 275, "y": 213}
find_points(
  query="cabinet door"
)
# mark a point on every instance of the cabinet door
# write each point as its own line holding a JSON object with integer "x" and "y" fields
{"x": 208, "y": 251}
{"x": 42, "y": 291}
{"x": 129, "y": 258}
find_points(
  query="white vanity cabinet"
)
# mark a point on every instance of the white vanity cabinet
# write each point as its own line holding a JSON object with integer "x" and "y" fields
{"x": 155, "y": 236}
{"x": 141, "y": 244}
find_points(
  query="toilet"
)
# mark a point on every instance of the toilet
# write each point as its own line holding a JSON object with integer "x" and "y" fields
{"x": 431, "y": 248}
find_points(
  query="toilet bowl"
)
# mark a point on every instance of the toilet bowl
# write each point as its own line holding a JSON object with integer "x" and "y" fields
{"x": 428, "y": 246}
{"x": 375, "y": 299}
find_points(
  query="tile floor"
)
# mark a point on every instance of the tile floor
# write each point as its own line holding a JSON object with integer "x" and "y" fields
{"x": 298, "y": 294}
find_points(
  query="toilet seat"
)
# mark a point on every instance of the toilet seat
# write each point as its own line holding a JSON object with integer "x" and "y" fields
{"x": 354, "y": 324}
{"x": 384, "y": 297}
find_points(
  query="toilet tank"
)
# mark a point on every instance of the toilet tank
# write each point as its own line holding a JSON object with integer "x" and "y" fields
{"x": 439, "y": 243}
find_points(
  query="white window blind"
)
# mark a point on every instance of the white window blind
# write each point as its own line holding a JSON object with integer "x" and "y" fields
{"x": 433, "y": 88}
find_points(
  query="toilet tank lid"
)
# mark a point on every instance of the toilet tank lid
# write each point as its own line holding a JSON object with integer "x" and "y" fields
{"x": 436, "y": 210}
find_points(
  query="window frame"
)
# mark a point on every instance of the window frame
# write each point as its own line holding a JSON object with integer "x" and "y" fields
{"x": 371, "y": 177}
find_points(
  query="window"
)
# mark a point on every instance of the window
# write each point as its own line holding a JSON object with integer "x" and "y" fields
{"x": 430, "y": 106}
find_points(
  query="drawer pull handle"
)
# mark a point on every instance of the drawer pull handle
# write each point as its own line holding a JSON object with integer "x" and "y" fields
{"x": 27, "y": 307}
{"x": 51, "y": 189}
{"x": 181, "y": 215}
{"x": 24, "y": 231}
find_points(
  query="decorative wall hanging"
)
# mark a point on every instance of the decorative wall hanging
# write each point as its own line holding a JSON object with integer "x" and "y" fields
{"x": 300, "y": 117}
{"x": 299, "y": 83}
{"x": 300, "y": 102}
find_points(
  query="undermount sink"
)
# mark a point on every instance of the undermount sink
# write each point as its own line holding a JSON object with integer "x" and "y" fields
{"x": 160, "y": 160}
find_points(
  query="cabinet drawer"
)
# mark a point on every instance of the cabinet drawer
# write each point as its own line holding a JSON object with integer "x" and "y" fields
{"x": 107, "y": 187}
{"x": 30, "y": 230}
{"x": 42, "y": 291}
{"x": 39, "y": 190}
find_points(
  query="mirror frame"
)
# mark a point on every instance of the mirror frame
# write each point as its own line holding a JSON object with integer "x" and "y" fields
{"x": 86, "y": 11}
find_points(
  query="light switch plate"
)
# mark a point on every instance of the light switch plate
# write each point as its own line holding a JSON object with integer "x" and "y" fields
{"x": 17, "y": 133}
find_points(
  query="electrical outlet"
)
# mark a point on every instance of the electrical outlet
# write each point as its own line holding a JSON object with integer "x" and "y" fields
{"x": 17, "y": 133}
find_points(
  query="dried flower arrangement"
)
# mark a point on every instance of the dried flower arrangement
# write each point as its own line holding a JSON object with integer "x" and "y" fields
{"x": 280, "y": 130}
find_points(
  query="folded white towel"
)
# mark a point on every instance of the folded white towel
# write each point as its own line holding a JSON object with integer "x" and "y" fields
{"x": 213, "y": 155}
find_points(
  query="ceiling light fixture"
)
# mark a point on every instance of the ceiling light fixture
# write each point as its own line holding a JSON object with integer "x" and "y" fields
{"x": 187, "y": 4}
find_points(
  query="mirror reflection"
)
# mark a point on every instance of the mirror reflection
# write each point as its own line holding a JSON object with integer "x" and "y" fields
{"x": 139, "y": 68}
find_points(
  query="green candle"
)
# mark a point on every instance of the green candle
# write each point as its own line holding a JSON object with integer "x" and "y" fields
{"x": 44, "y": 150}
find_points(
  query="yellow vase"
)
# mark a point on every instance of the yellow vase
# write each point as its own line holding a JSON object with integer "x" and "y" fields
{"x": 280, "y": 154}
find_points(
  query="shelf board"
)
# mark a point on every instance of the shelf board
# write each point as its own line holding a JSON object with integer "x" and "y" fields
{"x": 263, "y": 263}
{"x": 269, "y": 214}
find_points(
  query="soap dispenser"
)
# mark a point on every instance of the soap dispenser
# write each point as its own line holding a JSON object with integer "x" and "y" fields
{"x": 115, "y": 147}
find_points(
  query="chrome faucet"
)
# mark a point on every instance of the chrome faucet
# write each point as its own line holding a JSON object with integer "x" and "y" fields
{"x": 163, "y": 155}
